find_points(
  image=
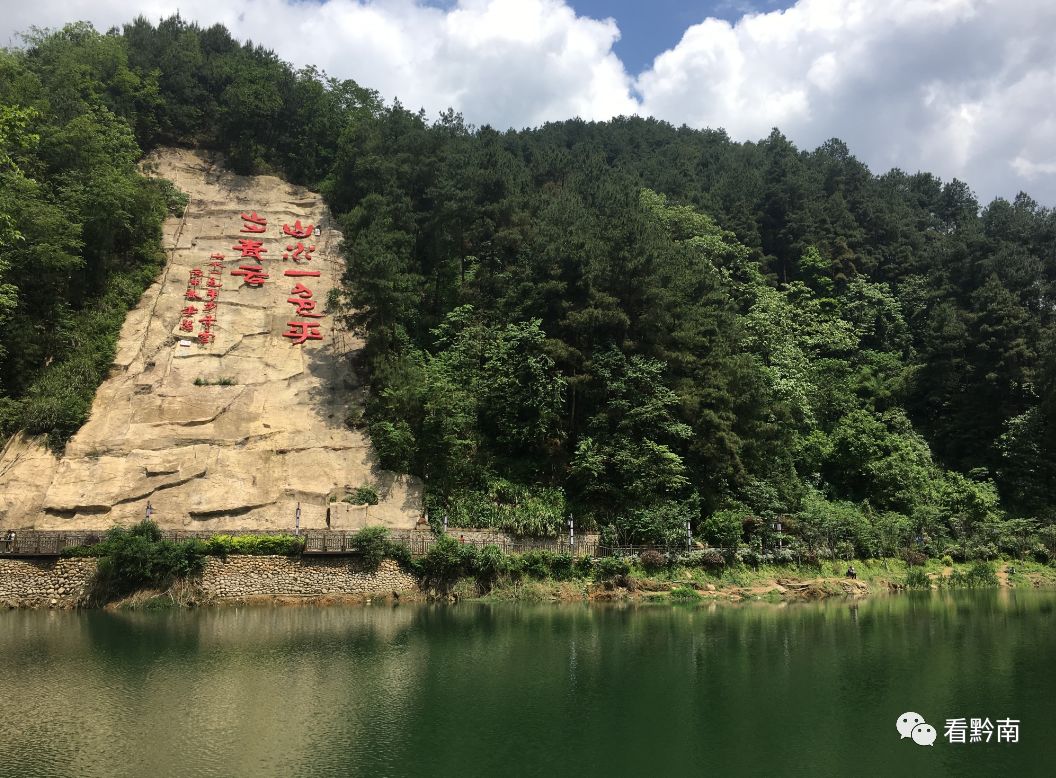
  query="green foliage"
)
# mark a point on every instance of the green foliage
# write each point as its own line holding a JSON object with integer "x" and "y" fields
{"x": 254, "y": 545}
{"x": 723, "y": 529}
{"x": 916, "y": 578}
{"x": 175, "y": 201}
{"x": 445, "y": 562}
{"x": 372, "y": 545}
{"x": 137, "y": 558}
{"x": 519, "y": 509}
{"x": 393, "y": 443}
{"x": 684, "y": 594}
{"x": 364, "y": 494}
{"x": 611, "y": 568}
{"x": 492, "y": 564}
{"x": 199, "y": 381}
{"x": 979, "y": 575}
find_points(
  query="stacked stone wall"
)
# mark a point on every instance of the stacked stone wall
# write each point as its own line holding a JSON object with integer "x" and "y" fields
{"x": 64, "y": 583}
{"x": 44, "y": 583}
{"x": 261, "y": 576}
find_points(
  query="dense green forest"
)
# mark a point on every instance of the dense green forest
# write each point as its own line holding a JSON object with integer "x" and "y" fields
{"x": 636, "y": 324}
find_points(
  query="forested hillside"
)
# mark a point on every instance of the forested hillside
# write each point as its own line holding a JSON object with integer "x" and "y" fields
{"x": 635, "y": 324}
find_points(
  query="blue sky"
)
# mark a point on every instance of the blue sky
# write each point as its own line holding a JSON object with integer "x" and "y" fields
{"x": 959, "y": 88}
{"x": 650, "y": 27}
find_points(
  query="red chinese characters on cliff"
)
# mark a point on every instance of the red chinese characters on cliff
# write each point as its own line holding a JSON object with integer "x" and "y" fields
{"x": 252, "y": 251}
{"x": 197, "y": 283}
{"x": 297, "y": 231}
{"x": 254, "y": 274}
{"x": 251, "y": 248}
{"x": 253, "y": 223}
{"x": 298, "y": 252}
{"x": 302, "y": 331}
{"x": 302, "y": 297}
{"x": 193, "y": 280}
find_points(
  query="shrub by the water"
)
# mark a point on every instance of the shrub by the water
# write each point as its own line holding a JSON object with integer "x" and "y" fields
{"x": 978, "y": 576}
{"x": 442, "y": 564}
{"x": 684, "y": 594}
{"x": 492, "y": 564}
{"x": 652, "y": 561}
{"x": 535, "y": 564}
{"x": 138, "y": 558}
{"x": 372, "y": 544}
{"x": 914, "y": 558}
{"x": 611, "y": 568}
{"x": 917, "y": 579}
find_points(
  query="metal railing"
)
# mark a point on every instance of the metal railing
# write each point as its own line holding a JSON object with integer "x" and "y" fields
{"x": 45, "y": 543}
{"x": 31, "y": 543}
{"x": 341, "y": 542}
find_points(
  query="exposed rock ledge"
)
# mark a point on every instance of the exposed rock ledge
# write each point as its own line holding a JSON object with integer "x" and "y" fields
{"x": 215, "y": 456}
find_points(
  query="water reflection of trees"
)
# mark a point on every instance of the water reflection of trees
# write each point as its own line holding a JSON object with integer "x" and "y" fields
{"x": 370, "y": 690}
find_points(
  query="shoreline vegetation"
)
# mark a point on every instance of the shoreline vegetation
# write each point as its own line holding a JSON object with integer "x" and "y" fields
{"x": 137, "y": 568}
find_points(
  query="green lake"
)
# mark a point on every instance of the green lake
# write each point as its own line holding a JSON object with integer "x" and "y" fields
{"x": 504, "y": 690}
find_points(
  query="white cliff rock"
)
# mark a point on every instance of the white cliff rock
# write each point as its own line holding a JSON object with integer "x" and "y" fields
{"x": 228, "y": 435}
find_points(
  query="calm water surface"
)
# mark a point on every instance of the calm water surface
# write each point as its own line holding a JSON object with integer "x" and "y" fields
{"x": 469, "y": 690}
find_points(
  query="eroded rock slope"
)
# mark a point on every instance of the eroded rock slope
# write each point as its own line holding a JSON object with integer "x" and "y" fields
{"x": 232, "y": 433}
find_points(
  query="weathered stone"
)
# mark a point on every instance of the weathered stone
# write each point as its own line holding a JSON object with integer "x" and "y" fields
{"x": 65, "y": 583}
{"x": 212, "y": 456}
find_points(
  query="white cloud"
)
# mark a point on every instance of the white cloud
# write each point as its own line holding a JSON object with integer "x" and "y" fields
{"x": 956, "y": 87}
{"x": 505, "y": 62}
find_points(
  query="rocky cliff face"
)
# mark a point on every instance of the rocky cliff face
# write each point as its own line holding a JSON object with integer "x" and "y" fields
{"x": 224, "y": 409}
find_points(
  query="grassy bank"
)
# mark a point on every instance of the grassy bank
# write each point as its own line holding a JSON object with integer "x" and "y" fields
{"x": 140, "y": 569}
{"x": 769, "y": 583}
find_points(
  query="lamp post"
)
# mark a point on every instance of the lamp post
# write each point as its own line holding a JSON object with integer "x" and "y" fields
{"x": 571, "y": 535}
{"x": 689, "y": 535}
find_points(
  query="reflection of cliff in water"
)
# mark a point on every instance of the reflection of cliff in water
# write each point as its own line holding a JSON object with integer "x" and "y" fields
{"x": 523, "y": 690}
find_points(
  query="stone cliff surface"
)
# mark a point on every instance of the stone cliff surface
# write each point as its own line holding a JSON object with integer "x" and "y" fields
{"x": 227, "y": 434}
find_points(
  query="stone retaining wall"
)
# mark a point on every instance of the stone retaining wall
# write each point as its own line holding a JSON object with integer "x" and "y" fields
{"x": 63, "y": 583}
{"x": 256, "y": 576}
{"x": 44, "y": 583}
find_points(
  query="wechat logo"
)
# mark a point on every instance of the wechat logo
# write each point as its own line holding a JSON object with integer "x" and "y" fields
{"x": 912, "y": 725}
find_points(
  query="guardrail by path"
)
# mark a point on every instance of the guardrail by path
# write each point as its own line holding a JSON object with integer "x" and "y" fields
{"x": 335, "y": 542}
{"x": 51, "y": 543}
{"x": 33, "y": 543}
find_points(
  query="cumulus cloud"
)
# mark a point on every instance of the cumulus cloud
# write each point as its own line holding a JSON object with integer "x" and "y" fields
{"x": 505, "y": 62}
{"x": 956, "y": 87}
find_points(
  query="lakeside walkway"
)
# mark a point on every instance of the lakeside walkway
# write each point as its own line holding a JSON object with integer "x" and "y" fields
{"x": 52, "y": 543}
